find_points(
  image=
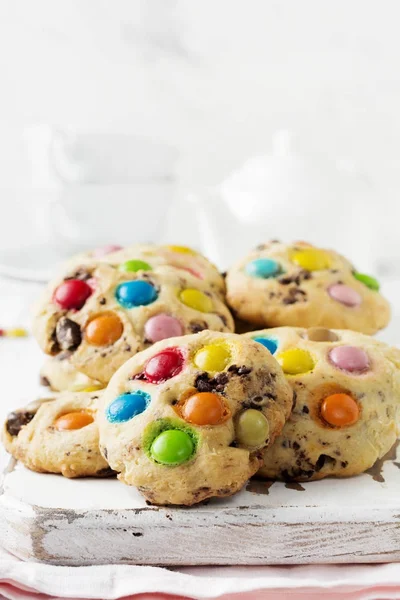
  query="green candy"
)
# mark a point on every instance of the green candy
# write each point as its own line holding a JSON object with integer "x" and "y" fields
{"x": 368, "y": 280}
{"x": 172, "y": 447}
{"x": 133, "y": 266}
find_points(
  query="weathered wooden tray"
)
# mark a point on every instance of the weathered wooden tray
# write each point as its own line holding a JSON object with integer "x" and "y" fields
{"x": 50, "y": 519}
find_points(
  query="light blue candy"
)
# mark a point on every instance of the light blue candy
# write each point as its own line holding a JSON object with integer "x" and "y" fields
{"x": 135, "y": 293}
{"x": 269, "y": 343}
{"x": 127, "y": 406}
{"x": 263, "y": 268}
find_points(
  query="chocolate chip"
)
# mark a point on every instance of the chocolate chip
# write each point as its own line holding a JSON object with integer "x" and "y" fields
{"x": 68, "y": 334}
{"x": 305, "y": 410}
{"x": 80, "y": 273}
{"x": 196, "y": 326}
{"x": 296, "y": 278}
{"x": 323, "y": 460}
{"x": 17, "y": 420}
{"x": 294, "y": 295}
{"x": 102, "y": 301}
{"x": 236, "y": 370}
{"x": 216, "y": 384}
{"x": 106, "y": 472}
{"x": 44, "y": 381}
{"x": 296, "y": 446}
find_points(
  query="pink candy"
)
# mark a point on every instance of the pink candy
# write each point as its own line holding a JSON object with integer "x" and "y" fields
{"x": 344, "y": 294}
{"x": 349, "y": 358}
{"x": 161, "y": 327}
{"x": 99, "y": 252}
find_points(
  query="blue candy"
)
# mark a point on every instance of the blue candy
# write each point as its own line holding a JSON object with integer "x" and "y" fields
{"x": 135, "y": 293}
{"x": 127, "y": 406}
{"x": 263, "y": 268}
{"x": 269, "y": 343}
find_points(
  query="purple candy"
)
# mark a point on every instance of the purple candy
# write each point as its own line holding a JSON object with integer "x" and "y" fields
{"x": 349, "y": 358}
{"x": 161, "y": 327}
{"x": 344, "y": 294}
{"x": 99, "y": 252}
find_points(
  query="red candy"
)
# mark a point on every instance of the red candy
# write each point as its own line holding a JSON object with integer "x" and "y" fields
{"x": 164, "y": 365}
{"x": 72, "y": 294}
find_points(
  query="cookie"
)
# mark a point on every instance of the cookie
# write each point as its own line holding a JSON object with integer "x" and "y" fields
{"x": 57, "y": 435}
{"x": 300, "y": 285}
{"x": 152, "y": 257}
{"x": 188, "y": 419}
{"x": 347, "y": 402}
{"x": 60, "y": 375}
{"x": 102, "y": 314}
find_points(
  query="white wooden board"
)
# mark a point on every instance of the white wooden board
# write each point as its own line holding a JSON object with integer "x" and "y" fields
{"x": 50, "y": 519}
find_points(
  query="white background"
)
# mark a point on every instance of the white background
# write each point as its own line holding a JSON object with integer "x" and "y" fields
{"x": 213, "y": 78}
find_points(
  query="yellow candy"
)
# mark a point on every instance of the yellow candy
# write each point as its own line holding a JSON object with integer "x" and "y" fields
{"x": 196, "y": 299}
{"x": 252, "y": 428}
{"x": 17, "y": 332}
{"x": 181, "y": 249}
{"x": 295, "y": 361}
{"x": 311, "y": 259}
{"x": 214, "y": 357}
{"x": 93, "y": 388}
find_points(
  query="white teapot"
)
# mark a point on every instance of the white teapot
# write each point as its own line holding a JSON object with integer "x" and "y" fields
{"x": 288, "y": 197}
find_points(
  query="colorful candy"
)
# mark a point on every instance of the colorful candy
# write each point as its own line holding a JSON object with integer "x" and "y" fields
{"x": 131, "y": 294}
{"x": 72, "y": 294}
{"x": 99, "y": 252}
{"x": 311, "y": 259}
{"x": 340, "y": 410}
{"x": 252, "y": 428}
{"x": 214, "y": 357}
{"x": 127, "y": 406}
{"x": 172, "y": 447}
{"x": 164, "y": 365}
{"x": 263, "y": 268}
{"x": 162, "y": 326}
{"x": 181, "y": 249}
{"x": 73, "y": 420}
{"x": 349, "y": 358}
{"x": 320, "y": 334}
{"x": 133, "y": 266}
{"x": 196, "y": 299}
{"x": 344, "y": 294}
{"x": 15, "y": 332}
{"x": 269, "y": 343}
{"x": 295, "y": 361}
{"x": 103, "y": 330}
{"x": 368, "y": 280}
{"x": 204, "y": 408}
{"x": 189, "y": 270}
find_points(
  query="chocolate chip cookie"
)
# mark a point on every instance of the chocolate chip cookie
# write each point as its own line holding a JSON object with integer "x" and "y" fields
{"x": 190, "y": 417}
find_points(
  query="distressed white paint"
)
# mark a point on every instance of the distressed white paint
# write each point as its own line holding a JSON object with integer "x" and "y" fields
{"x": 81, "y": 522}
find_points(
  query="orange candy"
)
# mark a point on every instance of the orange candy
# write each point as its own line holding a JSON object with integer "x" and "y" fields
{"x": 340, "y": 410}
{"x": 73, "y": 420}
{"x": 204, "y": 408}
{"x": 104, "y": 329}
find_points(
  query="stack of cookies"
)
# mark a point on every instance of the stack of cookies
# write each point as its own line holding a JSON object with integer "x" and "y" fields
{"x": 155, "y": 386}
